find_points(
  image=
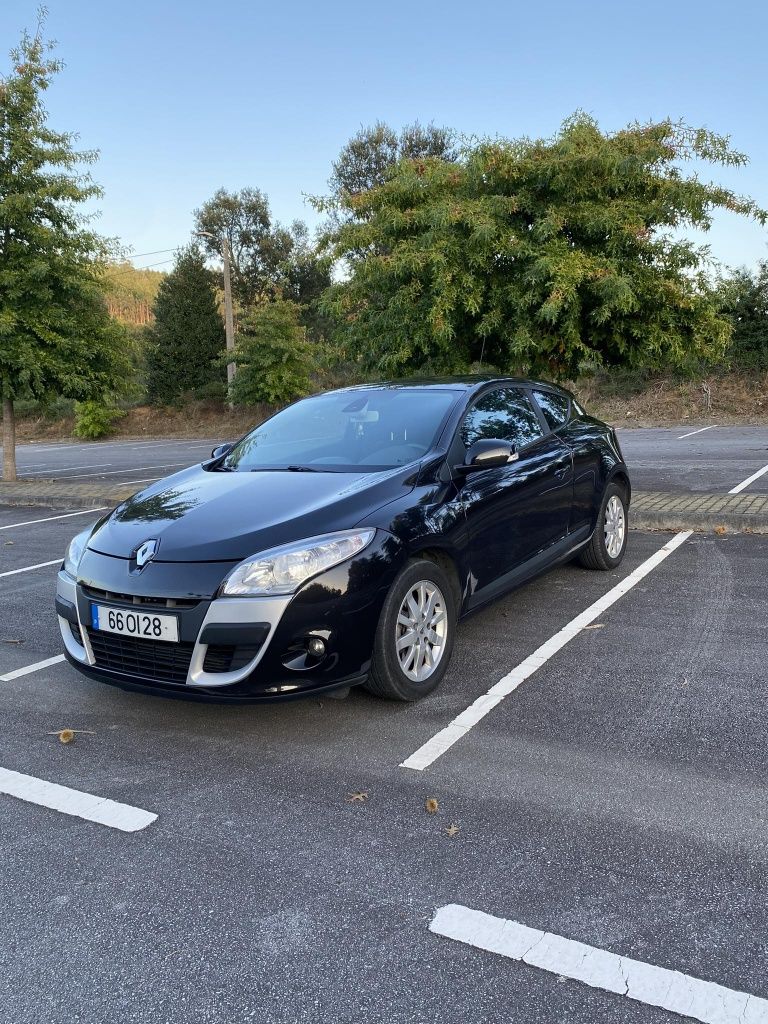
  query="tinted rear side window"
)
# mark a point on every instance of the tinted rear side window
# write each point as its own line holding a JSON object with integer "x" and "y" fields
{"x": 555, "y": 407}
{"x": 505, "y": 414}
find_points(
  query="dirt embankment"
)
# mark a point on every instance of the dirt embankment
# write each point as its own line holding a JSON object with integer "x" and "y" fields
{"x": 732, "y": 398}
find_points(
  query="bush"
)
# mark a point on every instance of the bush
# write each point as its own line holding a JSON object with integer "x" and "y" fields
{"x": 94, "y": 419}
{"x": 273, "y": 358}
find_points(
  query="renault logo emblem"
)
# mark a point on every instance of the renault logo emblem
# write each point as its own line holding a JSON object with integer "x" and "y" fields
{"x": 145, "y": 553}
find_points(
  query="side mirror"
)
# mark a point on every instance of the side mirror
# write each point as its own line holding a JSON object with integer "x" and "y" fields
{"x": 489, "y": 453}
{"x": 221, "y": 450}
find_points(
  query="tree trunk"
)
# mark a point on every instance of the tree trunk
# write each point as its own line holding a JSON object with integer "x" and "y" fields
{"x": 9, "y": 440}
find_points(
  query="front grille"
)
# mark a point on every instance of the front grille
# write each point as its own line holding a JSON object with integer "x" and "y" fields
{"x": 227, "y": 658}
{"x": 152, "y": 659}
{"x": 75, "y": 630}
{"x": 135, "y": 599}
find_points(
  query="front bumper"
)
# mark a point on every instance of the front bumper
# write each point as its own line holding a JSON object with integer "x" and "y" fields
{"x": 229, "y": 649}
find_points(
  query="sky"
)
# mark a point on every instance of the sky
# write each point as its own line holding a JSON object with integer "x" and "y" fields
{"x": 182, "y": 97}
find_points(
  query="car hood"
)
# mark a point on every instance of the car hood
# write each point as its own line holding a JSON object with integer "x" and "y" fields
{"x": 198, "y": 515}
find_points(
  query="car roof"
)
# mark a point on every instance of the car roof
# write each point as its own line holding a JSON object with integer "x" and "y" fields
{"x": 466, "y": 382}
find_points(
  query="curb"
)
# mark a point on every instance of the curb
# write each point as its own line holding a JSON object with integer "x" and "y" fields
{"x": 650, "y": 510}
{"x": 670, "y": 522}
{"x": 54, "y": 494}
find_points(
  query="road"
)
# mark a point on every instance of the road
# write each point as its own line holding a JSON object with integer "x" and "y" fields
{"x": 615, "y": 797}
{"x": 715, "y": 459}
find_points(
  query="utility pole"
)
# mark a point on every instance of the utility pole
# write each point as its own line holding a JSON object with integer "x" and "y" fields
{"x": 229, "y": 321}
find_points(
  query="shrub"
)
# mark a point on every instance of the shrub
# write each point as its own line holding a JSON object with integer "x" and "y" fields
{"x": 95, "y": 419}
{"x": 273, "y": 358}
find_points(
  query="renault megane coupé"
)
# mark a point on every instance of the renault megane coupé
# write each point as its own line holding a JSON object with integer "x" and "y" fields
{"x": 342, "y": 540}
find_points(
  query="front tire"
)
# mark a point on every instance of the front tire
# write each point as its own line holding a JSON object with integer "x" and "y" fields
{"x": 414, "y": 638}
{"x": 609, "y": 541}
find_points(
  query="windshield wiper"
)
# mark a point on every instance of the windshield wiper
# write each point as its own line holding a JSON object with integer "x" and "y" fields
{"x": 286, "y": 469}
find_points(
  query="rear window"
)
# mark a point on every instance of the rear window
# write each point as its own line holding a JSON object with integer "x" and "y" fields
{"x": 556, "y": 408}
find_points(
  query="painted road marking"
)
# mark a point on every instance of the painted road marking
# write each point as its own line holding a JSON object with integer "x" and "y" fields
{"x": 750, "y": 480}
{"x": 64, "y": 469}
{"x": 699, "y": 431}
{"x": 72, "y": 801}
{"x": 655, "y": 986}
{"x": 36, "y": 667}
{"x": 50, "y": 519}
{"x": 131, "y": 444}
{"x": 29, "y": 568}
{"x": 132, "y": 469}
{"x": 476, "y": 711}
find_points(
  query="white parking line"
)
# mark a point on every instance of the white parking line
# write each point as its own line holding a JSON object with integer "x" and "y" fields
{"x": 132, "y": 469}
{"x": 460, "y": 726}
{"x": 28, "y": 669}
{"x": 699, "y": 431}
{"x": 50, "y": 519}
{"x": 74, "y": 802}
{"x": 29, "y": 568}
{"x": 645, "y": 983}
{"x": 750, "y": 480}
{"x": 64, "y": 469}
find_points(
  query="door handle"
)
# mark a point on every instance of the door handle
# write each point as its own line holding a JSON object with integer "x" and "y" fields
{"x": 560, "y": 473}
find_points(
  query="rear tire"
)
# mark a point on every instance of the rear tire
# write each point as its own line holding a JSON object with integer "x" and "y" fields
{"x": 414, "y": 638}
{"x": 609, "y": 541}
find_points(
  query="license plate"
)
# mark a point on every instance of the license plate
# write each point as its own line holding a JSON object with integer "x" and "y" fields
{"x": 138, "y": 624}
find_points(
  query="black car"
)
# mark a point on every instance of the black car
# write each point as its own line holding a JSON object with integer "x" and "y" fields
{"x": 340, "y": 542}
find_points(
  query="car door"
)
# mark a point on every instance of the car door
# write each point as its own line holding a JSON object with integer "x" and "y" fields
{"x": 513, "y": 512}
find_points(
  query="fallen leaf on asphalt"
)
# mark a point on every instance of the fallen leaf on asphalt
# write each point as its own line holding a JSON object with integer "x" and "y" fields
{"x": 357, "y": 798}
{"x": 431, "y": 805}
{"x": 720, "y": 530}
{"x": 11, "y": 640}
{"x": 452, "y": 830}
{"x": 67, "y": 735}
{"x": 596, "y": 625}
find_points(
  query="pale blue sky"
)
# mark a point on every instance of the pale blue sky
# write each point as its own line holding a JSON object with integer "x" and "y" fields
{"x": 183, "y": 96}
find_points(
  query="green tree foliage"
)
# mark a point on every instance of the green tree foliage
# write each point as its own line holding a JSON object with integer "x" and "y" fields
{"x": 274, "y": 360}
{"x": 371, "y": 153}
{"x": 743, "y": 298}
{"x": 269, "y": 261}
{"x": 95, "y": 419}
{"x": 538, "y": 255}
{"x": 260, "y": 249}
{"x": 56, "y": 336}
{"x": 130, "y": 292}
{"x": 187, "y": 337}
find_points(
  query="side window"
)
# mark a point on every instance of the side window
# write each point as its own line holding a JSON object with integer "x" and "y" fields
{"x": 505, "y": 414}
{"x": 555, "y": 407}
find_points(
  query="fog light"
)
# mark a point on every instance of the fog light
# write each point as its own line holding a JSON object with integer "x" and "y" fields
{"x": 316, "y": 646}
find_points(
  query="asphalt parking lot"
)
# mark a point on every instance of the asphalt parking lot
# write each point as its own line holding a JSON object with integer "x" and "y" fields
{"x": 614, "y": 797}
{"x": 670, "y": 459}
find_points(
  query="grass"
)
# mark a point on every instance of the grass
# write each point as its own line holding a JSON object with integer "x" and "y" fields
{"x": 619, "y": 398}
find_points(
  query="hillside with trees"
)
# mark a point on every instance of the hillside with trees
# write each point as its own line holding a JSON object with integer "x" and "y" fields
{"x": 130, "y": 293}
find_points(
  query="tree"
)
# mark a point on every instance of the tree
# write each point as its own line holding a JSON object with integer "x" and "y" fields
{"x": 260, "y": 249}
{"x": 743, "y": 298}
{"x": 56, "y": 336}
{"x": 187, "y": 337}
{"x": 273, "y": 358}
{"x": 364, "y": 162}
{"x": 538, "y": 255}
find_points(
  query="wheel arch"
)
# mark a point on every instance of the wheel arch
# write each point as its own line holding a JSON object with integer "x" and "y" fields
{"x": 445, "y": 560}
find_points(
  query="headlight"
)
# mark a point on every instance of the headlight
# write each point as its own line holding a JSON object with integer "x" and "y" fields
{"x": 75, "y": 551}
{"x": 282, "y": 570}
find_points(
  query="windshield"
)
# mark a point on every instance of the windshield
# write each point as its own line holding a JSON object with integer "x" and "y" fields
{"x": 351, "y": 431}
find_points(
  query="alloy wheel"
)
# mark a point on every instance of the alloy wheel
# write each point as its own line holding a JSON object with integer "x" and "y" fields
{"x": 421, "y": 629}
{"x": 614, "y": 527}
